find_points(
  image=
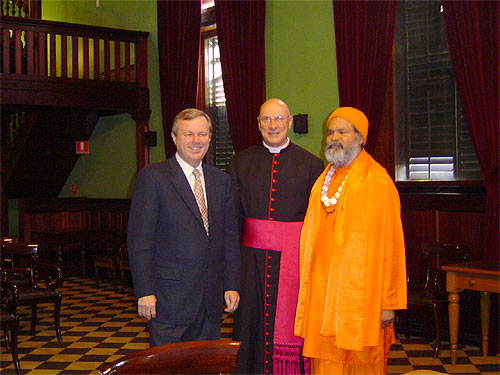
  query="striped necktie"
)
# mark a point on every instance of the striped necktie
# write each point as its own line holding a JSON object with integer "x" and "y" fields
{"x": 200, "y": 198}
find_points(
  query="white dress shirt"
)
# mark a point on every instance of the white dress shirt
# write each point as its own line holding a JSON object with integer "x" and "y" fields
{"x": 188, "y": 171}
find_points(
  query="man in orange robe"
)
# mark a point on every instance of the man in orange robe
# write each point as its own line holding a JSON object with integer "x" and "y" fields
{"x": 352, "y": 257}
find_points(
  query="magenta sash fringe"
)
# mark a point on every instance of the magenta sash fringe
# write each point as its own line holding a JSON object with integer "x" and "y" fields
{"x": 286, "y": 360}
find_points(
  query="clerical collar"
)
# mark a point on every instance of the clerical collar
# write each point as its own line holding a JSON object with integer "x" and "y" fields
{"x": 276, "y": 150}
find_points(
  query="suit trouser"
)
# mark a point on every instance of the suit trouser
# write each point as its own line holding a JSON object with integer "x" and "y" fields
{"x": 200, "y": 329}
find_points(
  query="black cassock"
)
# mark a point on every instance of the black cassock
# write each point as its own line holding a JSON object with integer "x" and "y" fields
{"x": 275, "y": 187}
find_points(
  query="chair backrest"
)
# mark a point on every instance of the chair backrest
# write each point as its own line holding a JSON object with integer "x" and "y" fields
{"x": 8, "y": 239}
{"x": 21, "y": 249}
{"x": 22, "y": 256}
{"x": 426, "y": 264}
{"x": 123, "y": 255}
{"x": 442, "y": 254}
{"x": 122, "y": 250}
{"x": 188, "y": 357}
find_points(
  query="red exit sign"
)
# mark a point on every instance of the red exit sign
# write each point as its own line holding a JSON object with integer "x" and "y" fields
{"x": 82, "y": 147}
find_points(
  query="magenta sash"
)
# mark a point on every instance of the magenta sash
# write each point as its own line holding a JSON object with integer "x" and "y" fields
{"x": 285, "y": 238}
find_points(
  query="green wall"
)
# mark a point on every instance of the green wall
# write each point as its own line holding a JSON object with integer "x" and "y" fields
{"x": 108, "y": 170}
{"x": 300, "y": 63}
{"x": 300, "y": 69}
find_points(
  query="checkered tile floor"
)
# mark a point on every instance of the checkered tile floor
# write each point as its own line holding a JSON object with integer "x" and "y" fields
{"x": 99, "y": 325}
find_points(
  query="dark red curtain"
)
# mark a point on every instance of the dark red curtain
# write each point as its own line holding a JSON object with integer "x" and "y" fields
{"x": 364, "y": 34}
{"x": 472, "y": 29}
{"x": 240, "y": 31}
{"x": 178, "y": 48}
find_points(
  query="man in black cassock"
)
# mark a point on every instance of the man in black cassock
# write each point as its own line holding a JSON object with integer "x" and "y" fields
{"x": 271, "y": 181}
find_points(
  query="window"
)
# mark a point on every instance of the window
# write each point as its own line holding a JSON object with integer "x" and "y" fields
{"x": 212, "y": 91}
{"x": 433, "y": 140}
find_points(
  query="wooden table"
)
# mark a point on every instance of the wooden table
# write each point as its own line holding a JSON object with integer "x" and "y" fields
{"x": 483, "y": 276}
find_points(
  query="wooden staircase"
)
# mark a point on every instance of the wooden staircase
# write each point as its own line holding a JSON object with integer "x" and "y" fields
{"x": 42, "y": 153}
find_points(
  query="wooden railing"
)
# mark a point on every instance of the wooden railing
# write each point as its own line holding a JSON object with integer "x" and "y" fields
{"x": 65, "y": 50}
{"x": 15, "y": 8}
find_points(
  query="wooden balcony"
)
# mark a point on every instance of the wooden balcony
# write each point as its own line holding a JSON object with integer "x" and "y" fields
{"x": 71, "y": 65}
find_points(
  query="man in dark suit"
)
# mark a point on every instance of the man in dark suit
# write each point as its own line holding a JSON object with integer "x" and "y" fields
{"x": 183, "y": 241}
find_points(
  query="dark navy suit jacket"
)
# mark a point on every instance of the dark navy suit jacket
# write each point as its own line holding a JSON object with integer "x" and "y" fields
{"x": 170, "y": 254}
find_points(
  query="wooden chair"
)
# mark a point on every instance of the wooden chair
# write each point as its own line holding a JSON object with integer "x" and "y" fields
{"x": 10, "y": 322}
{"x": 427, "y": 283}
{"x": 189, "y": 357}
{"x": 123, "y": 264}
{"x": 7, "y": 262}
{"x": 30, "y": 283}
{"x": 104, "y": 255}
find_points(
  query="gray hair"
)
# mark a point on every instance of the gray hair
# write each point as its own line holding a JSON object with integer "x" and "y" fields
{"x": 190, "y": 114}
{"x": 359, "y": 137}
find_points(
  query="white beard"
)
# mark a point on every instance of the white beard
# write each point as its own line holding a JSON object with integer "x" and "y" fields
{"x": 340, "y": 156}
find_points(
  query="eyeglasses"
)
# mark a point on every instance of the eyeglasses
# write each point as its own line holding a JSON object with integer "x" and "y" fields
{"x": 278, "y": 119}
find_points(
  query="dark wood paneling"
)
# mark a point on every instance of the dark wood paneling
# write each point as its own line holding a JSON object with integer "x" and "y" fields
{"x": 452, "y": 215}
{"x": 67, "y": 227}
{"x": 74, "y": 214}
{"x": 418, "y": 225}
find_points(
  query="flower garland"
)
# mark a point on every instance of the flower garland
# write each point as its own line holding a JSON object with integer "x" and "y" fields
{"x": 324, "y": 190}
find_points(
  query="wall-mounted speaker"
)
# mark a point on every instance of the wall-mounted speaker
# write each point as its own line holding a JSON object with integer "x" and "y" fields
{"x": 300, "y": 123}
{"x": 150, "y": 139}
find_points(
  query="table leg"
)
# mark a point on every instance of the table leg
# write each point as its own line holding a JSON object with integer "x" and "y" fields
{"x": 453, "y": 312}
{"x": 485, "y": 320}
{"x": 84, "y": 262}
{"x": 59, "y": 256}
{"x": 85, "y": 249}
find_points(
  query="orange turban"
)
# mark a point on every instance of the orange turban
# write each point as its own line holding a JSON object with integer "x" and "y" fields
{"x": 355, "y": 117}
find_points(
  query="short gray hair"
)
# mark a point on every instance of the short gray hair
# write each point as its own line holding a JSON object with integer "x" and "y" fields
{"x": 359, "y": 137}
{"x": 190, "y": 114}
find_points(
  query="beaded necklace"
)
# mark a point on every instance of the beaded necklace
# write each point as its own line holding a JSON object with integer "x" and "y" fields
{"x": 328, "y": 202}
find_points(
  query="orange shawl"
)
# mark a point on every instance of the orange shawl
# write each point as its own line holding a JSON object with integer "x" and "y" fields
{"x": 369, "y": 236}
